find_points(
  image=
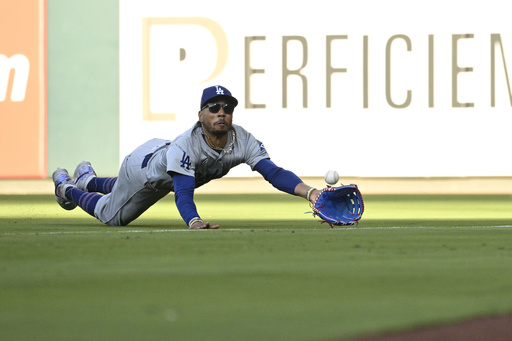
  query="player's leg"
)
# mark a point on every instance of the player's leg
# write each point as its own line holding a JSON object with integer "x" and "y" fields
{"x": 127, "y": 201}
{"x": 68, "y": 195}
{"x": 130, "y": 196}
{"x": 87, "y": 201}
{"x": 123, "y": 205}
{"x": 87, "y": 180}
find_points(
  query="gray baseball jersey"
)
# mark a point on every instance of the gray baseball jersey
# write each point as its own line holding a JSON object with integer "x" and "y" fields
{"x": 144, "y": 179}
{"x": 189, "y": 154}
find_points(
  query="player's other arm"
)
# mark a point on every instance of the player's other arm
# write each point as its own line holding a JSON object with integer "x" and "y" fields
{"x": 285, "y": 180}
{"x": 184, "y": 196}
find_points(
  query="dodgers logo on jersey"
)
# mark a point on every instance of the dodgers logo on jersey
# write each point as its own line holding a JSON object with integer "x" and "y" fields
{"x": 262, "y": 147}
{"x": 185, "y": 161}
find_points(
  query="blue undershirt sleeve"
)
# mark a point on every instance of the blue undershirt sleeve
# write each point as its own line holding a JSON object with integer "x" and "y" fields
{"x": 280, "y": 178}
{"x": 184, "y": 196}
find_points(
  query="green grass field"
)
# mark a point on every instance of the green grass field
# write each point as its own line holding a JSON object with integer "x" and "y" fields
{"x": 270, "y": 273}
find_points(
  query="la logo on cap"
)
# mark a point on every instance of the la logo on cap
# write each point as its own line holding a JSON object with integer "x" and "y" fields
{"x": 219, "y": 90}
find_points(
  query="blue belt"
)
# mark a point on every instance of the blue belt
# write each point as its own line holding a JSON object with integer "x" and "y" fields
{"x": 146, "y": 160}
{"x": 147, "y": 157}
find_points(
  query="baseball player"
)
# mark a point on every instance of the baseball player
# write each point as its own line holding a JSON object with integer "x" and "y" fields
{"x": 205, "y": 152}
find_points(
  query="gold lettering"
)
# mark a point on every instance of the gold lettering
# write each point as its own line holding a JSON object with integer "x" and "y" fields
{"x": 213, "y": 27}
{"x": 287, "y": 72}
{"x": 430, "y": 71}
{"x": 365, "y": 72}
{"x": 249, "y": 72}
{"x": 388, "y": 72}
{"x": 329, "y": 70}
{"x": 496, "y": 39}
{"x": 456, "y": 69}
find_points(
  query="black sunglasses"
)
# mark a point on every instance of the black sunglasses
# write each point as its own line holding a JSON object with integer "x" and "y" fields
{"x": 215, "y": 107}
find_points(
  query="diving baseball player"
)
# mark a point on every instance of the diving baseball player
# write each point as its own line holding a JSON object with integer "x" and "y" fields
{"x": 205, "y": 152}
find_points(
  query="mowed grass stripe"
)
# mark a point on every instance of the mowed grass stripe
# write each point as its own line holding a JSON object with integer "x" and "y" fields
{"x": 127, "y": 231}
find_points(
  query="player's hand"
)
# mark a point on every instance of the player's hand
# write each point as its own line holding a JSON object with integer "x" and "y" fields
{"x": 314, "y": 195}
{"x": 199, "y": 225}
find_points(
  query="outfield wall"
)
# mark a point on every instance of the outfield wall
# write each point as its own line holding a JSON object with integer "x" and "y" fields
{"x": 70, "y": 107}
{"x": 375, "y": 90}
{"x": 83, "y": 84}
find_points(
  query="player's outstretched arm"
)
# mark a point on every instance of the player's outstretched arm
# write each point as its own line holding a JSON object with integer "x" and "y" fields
{"x": 285, "y": 180}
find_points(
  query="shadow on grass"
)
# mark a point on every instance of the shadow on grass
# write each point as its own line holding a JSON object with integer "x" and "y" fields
{"x": 40, "y": 212}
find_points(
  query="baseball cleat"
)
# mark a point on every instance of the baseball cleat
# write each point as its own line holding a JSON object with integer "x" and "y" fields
{"x": 83, "y": 174}
{"x": 62, "y": 181}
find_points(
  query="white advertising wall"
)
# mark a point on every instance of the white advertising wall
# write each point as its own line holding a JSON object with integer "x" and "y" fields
{"x": 369, "y": 88}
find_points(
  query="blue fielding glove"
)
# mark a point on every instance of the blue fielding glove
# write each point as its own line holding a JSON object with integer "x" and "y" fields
{"x": 341, "y": 205}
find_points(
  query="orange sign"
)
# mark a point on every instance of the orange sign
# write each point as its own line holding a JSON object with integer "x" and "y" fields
{"x": 23, "y": 89}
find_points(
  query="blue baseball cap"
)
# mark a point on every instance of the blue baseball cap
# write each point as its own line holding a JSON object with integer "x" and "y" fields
{"x": 216, "y": 92}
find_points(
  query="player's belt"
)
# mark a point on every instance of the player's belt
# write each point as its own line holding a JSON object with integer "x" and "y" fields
{"x": 146, "y": 160}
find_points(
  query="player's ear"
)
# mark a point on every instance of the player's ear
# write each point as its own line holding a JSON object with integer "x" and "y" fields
{"x": 200, "y": 116}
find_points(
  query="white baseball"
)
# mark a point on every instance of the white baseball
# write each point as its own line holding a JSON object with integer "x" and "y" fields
{"x": 332, "y": 177}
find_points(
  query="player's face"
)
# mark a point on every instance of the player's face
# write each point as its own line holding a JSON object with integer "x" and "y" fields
{"x": 217, "y": 124}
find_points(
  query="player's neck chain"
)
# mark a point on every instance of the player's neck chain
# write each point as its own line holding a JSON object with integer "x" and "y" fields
{"x": 210, "y": 143}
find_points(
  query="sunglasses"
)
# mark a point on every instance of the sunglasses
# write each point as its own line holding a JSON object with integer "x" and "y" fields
{"x": 215, "y": 108}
